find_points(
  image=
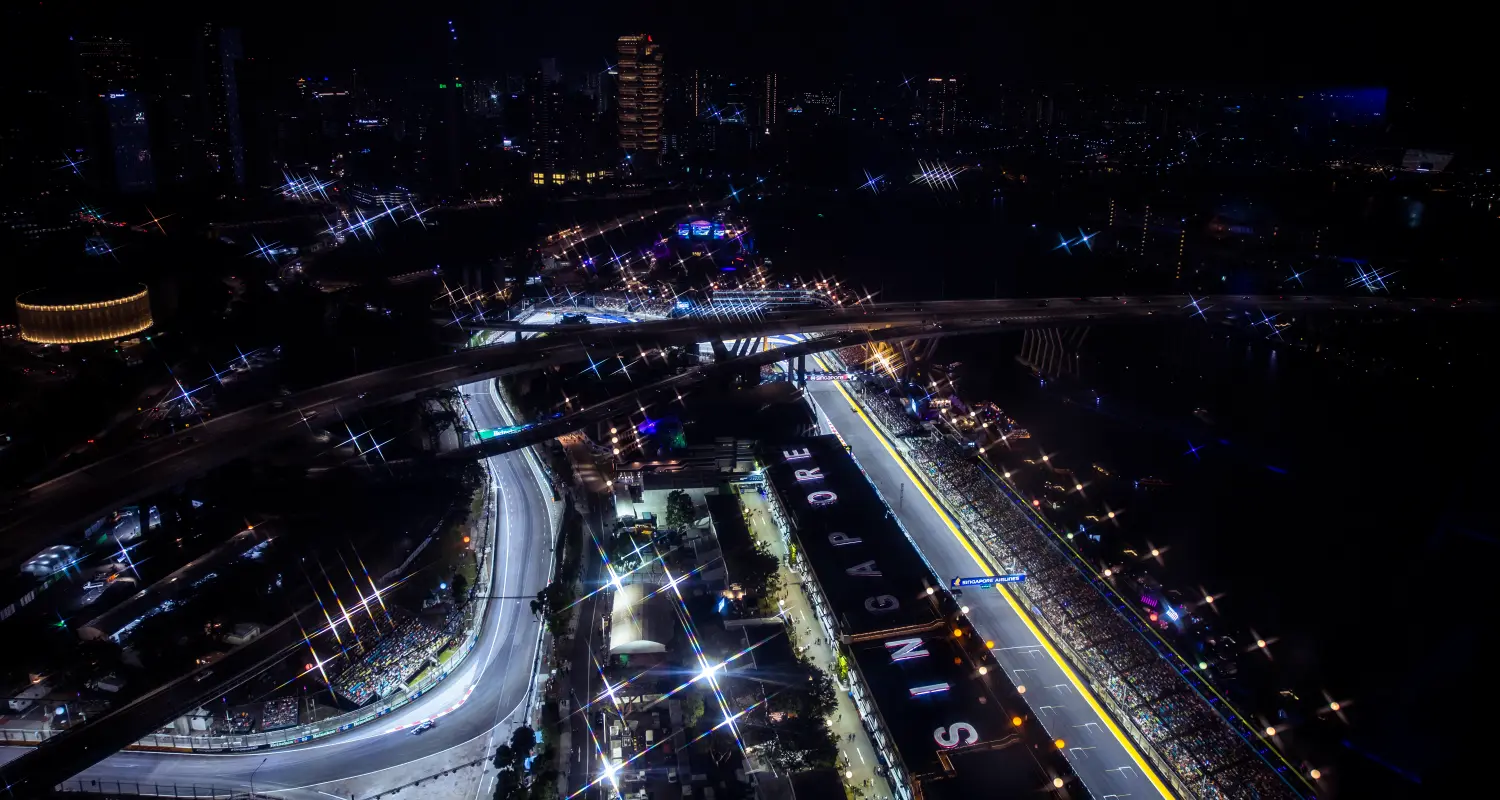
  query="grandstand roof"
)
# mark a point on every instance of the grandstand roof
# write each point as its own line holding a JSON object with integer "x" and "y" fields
{"x": 945, "y": 720}
{"x": 873, "y": 577}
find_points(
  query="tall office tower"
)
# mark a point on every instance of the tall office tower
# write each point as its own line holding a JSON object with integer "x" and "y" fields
{"x": 546, "y": 122}
{"x": 219, "y": 52}
{"x": 441, "y": 136}
{"x": 112, "y": 110}
{"x": 941, "y": 106}
{"x": 768, "y": 112}
{"x": 594, "y": 89}
{"x": 129, "y": 142}
{"x": 641, "y": 98}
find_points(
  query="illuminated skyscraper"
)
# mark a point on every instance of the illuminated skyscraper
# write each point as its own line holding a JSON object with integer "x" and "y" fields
{"x": 941, "y": 110}
{"x": 546, "y": 119}
{"x": 219, "y": 53}
{"x": 114, "y": 110}
{"x": 129, "y": 142}
{"x": 769, "y": 102}
{"x": 641, "y": 97}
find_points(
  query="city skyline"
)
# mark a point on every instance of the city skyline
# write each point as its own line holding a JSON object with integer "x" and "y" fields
{"x": 593, "y": 401}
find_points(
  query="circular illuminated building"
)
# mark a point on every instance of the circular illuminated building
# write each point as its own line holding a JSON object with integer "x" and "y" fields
{"x": 85, "y": 314}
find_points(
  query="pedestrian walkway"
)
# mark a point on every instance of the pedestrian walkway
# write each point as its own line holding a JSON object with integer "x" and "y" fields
{"x": 857, "y": 762}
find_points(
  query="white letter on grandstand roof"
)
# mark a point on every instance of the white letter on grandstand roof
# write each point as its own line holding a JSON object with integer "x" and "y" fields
{"x": 881, "y": 604}
{"x": 958, "y": 733}
{"x": 822, "y": 498}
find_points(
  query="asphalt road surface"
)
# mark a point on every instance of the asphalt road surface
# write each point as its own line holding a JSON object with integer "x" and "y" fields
{"x": 1098, "y": 756}
{"x": 487, "y": 695}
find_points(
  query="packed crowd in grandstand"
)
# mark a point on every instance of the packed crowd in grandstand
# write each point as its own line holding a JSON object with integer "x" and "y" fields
{"x": 387, "y": 651}
{"x": 278, "y": 713}
{"x": 1207, "y": 754}
{"x": 632, "y": 304}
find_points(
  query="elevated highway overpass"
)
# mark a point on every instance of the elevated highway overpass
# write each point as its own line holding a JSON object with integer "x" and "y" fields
{"x": 32, "y": 518}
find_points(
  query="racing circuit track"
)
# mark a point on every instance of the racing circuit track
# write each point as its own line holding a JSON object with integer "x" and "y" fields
{"x": 485, "y": 697}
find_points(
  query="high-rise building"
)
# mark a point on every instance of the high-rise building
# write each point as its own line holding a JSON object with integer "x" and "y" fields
{"x": 129, "y": 142}
{"x": 441, "y": 135}
{"x": 769, "y": 102}
{"x": 697, "y": 95}
{"x": 113, "y": 110}
{"x": 641, "y": 96}
{"x": 219, "y": 53}
{"x": 941, "y": 106}
{"x": 546, "y": 121}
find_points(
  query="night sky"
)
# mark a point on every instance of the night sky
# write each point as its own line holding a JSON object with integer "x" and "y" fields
{"x": 1247, "y": 43}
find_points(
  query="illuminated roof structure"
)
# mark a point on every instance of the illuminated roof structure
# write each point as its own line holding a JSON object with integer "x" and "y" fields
{"x": 640, "y": 620}
{"x": 78, "y": 316}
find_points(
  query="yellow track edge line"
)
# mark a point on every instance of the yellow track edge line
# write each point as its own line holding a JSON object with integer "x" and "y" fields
{"x": 1062, "y": 663}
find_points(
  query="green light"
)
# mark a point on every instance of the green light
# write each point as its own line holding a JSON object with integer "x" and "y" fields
{"x": 458, "y": 85}
{"x": 442, "y": 86}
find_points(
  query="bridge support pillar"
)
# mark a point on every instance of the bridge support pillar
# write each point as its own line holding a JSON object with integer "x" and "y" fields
{"x": 909, "y": 360}
{"x": 1052, "y": 352}
{"x": 721, "y": 353}
{"x": 802, "y": 370}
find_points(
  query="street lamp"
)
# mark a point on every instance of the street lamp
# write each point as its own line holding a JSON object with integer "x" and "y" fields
{"x": 253, "y": 771}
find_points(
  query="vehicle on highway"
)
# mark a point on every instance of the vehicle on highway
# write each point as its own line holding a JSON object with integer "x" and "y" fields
{"x": 423, "y": 727}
